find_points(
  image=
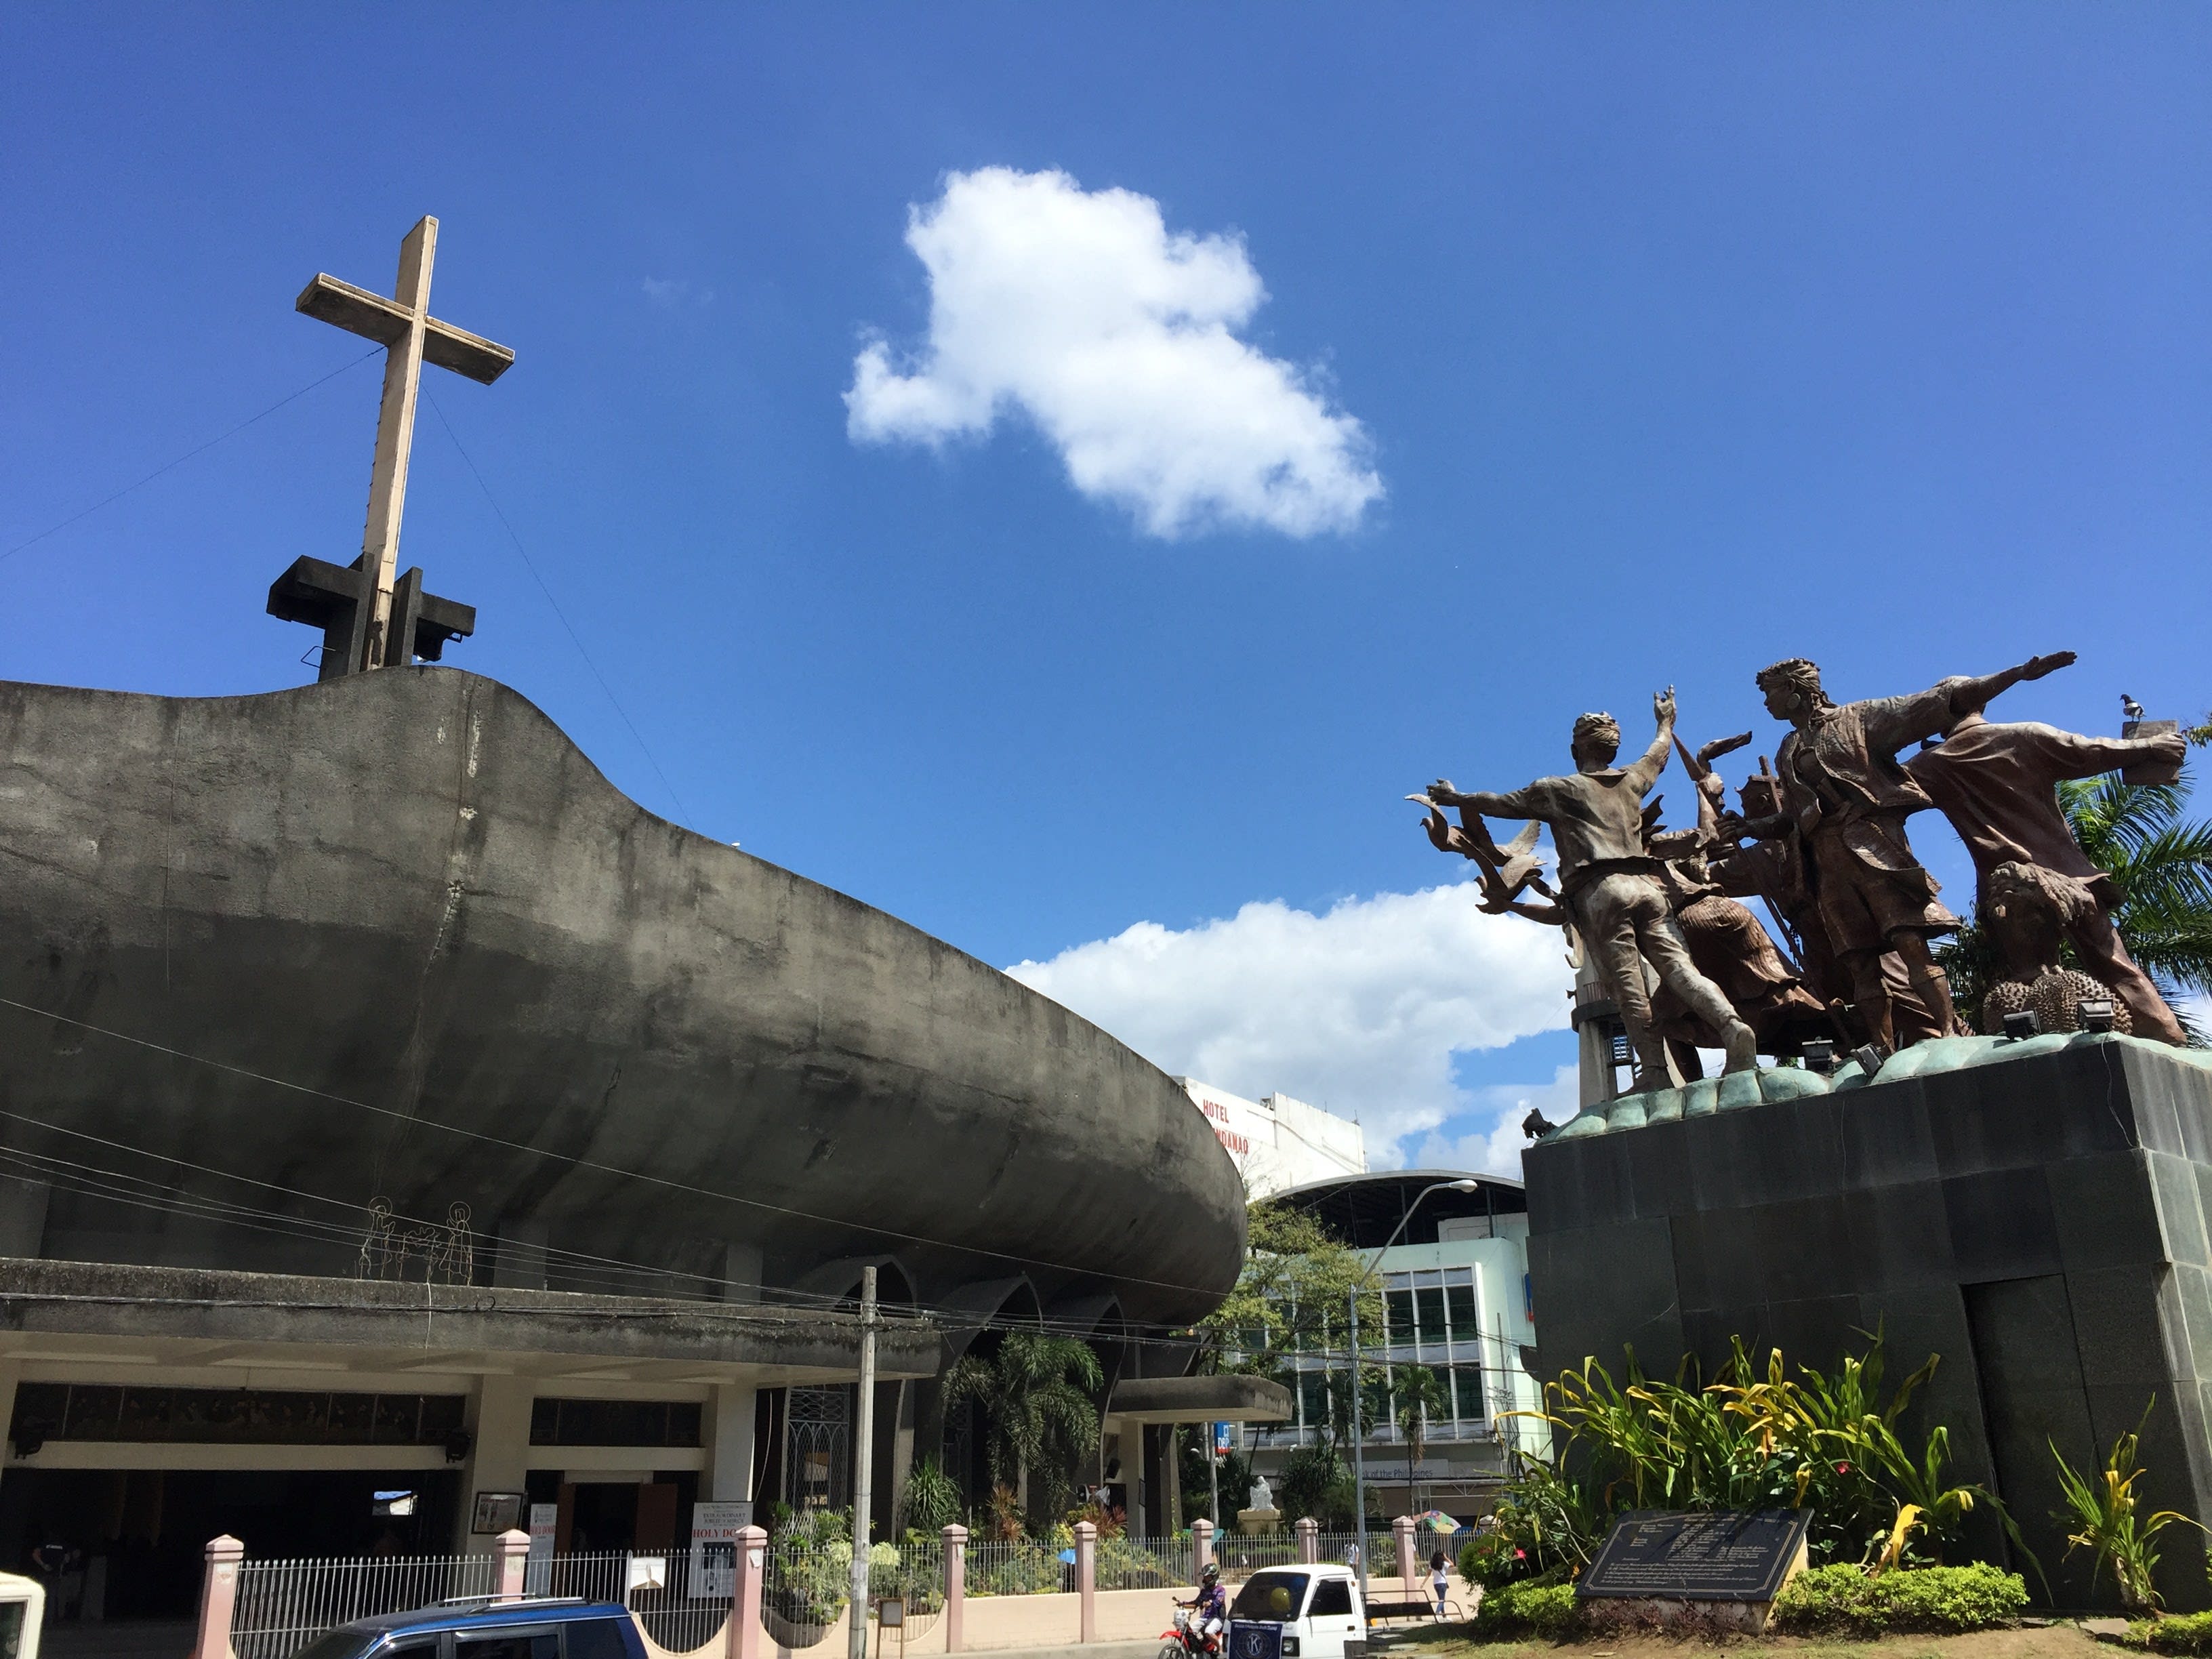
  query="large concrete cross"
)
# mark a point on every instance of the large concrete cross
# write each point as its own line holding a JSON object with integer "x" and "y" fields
{"x": 357, "y": 613}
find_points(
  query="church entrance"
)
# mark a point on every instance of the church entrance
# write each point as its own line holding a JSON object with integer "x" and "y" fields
{"x": 132, "y": 1542}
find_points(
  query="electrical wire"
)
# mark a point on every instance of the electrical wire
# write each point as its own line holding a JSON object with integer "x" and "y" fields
{"x": 579, "y": 1163}
{"x": 189, "y": 454}
{"x": 530, "y": 565}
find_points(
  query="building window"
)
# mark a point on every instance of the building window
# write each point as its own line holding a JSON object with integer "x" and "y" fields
{"x": 1466, "y": 1383}
{"x": 1399, "y": 1303}
{"x": 1459, "y": 1300}
{"x": 249, "y": 1417}
{"x": 1431, "y": 1298}
{"x": 614, "y": 1423}
{"x": 819, "y": 1447}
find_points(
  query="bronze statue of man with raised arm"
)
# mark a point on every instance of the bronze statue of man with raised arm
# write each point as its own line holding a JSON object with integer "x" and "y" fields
{"x": 1610, "y": 886}
{"x": 1844, "y": 791}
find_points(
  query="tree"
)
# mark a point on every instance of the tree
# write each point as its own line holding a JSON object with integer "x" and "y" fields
{"x": 1419, "y": 1394}
{"x": 1036, "y": 1395}
{"x": 1291, "y": 1298}
{"x": 2161, "y": 866}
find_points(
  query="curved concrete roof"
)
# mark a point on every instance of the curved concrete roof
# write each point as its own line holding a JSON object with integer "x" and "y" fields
{"x": 409, "y": 890}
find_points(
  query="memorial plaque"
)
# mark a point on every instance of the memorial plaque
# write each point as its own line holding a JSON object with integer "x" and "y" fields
{"x": 1733, "y": 1556}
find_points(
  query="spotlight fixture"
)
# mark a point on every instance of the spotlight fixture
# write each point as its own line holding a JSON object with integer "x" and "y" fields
{"x": 1869, "y": 1057}
{"x": 2096, "y": 1013}
{"x": 1819, "y": 1054}
{"x": 2021, "y": 1023}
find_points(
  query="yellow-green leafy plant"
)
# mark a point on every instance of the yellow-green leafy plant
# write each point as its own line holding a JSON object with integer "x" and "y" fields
{"x": 2109, "y": 1521}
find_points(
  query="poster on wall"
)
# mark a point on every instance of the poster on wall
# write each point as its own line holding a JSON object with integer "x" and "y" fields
{"x": 497, "y": 1511}
{"x": 537, "y": 1571}
{"x": 715, "y": 1529}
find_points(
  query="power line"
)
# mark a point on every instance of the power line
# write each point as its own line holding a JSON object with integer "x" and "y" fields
{"x": 501, "y": 1141}
{"x": 529, "y": 564}
{"x": 200, "y": 449}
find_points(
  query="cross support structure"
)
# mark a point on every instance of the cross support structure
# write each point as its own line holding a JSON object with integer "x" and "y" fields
{"x": 371, "y": 616}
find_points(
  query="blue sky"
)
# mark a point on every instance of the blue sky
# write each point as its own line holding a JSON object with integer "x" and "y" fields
{"x": 1676, "y": 339}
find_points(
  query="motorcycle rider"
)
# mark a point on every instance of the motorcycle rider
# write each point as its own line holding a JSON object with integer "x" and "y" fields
{"x": 1210, "y": 1615}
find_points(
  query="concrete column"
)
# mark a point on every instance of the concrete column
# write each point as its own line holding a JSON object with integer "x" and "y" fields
{"x": 1408, "y": 1569}
{"x": 1309, "y": 1533}
{"x": 218, "y": 1596}
{"x": 731, "y": 1408}
{"x": 512, "y": 1547}
{"x": 1201, "y": 1546}
{"x": 956, "y": 1586}
{"x": 751, "y": 1559}
{"x": 499, "y": 1451}
{"x": 1086, "y": 1579}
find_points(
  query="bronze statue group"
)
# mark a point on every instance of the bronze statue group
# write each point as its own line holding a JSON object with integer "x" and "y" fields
{"x": 1819, "y": 836}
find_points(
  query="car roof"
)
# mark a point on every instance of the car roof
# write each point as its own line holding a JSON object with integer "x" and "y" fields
{"x": 465, "y": 1614}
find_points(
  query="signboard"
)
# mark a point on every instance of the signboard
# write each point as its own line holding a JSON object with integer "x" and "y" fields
{"x": 1733, "y": 1556}
{"x": 715, "y": 1529}
{"x": 538, "y": 1566}
{"x": 496, "y": 1511}
{"x": 1221, "y": 1440}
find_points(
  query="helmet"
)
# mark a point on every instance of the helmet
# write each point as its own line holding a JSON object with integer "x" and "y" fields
{"x": 1212, "y": 1571}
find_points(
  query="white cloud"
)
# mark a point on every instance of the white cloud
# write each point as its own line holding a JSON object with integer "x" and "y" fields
{"x": 1360, "y": 1010}
{"x": 1495, "y": 1142}
{"x": 674, "y": 293}
{"x": 1081, "y": 310}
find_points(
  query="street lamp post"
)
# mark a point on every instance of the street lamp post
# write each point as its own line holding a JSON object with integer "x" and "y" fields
{"x": 1358, "y": 1437}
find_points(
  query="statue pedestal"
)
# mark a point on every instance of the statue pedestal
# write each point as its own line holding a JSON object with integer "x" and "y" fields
{"x": 1258, "y": 1523}
{"x": 1978, "y": 1200}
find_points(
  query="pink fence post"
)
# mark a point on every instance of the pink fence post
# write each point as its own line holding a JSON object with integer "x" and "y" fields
{"x": 1201, "y": 1547}
{"x": 218, "y": 1597}
{"x": 1403, "y": 1526}
{"x": 1308, "y": 1532}
{"x": 750, "y": 1559}
{"x": 1086, "y": 1579}
{"x": 956, "y": 1586}
{"x": 513, "y": 1546}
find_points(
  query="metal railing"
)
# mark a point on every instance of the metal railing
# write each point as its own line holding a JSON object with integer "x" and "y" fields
{"x": 1241, "y": 1557}
{"x": 283, "y": 1606}
{"x": 1125, "y": 1564}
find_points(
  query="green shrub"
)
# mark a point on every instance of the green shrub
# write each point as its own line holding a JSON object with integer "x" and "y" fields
{"x": 1927, "y": 1600}
{"x": 1528, "y": 1608}
{"x": 2184, "y": 1633}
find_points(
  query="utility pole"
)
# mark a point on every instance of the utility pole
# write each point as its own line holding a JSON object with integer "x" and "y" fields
{"x": 864, "y": 1458}
{"x": 1358, "y": 1451}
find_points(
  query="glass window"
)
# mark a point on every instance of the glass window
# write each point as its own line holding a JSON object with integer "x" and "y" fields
{"x": 596, "y": 1638}
{"x": 1331, "y": 1596}
{"x": 341, "y": 1644}
{"x": 1432, "y": 1300}
{"x": 1460, "y": 1301}
{"x": 1467, "y": 1389}
{"x": 507, "y": 1644}
{"x": 1400, "y": 1304}
{"x": 1271, "y": 1594}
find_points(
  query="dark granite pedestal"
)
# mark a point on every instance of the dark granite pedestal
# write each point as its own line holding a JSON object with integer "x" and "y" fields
{"x": 2036, "y": 1216}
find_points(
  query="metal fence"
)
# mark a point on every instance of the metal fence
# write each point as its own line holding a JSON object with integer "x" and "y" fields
{"x": 1241, "y": 1557}
{"x": 283, "y": 1606}
{"x": 1126, "y": 1563}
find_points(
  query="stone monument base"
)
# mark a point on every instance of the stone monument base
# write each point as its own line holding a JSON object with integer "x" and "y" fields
{"x": 2034, "y": 1212}
{"x": 1258, "y": 1523}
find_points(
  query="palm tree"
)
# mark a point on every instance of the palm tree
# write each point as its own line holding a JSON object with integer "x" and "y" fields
{"x": 1419, "y": 1394}
{"x": 2162, "y": 869}
{"x": 1037, "y": 1397}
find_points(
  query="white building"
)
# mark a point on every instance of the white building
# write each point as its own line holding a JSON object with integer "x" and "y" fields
{"x": 1457, "y": 1300}
{"x": 1279, "y": 1143}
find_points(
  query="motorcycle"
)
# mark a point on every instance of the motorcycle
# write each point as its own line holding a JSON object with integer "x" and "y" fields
{"x": 1186, "y": 1640}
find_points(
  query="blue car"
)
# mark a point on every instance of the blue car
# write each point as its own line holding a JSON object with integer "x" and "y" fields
{"x": 481, "y": 1627}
